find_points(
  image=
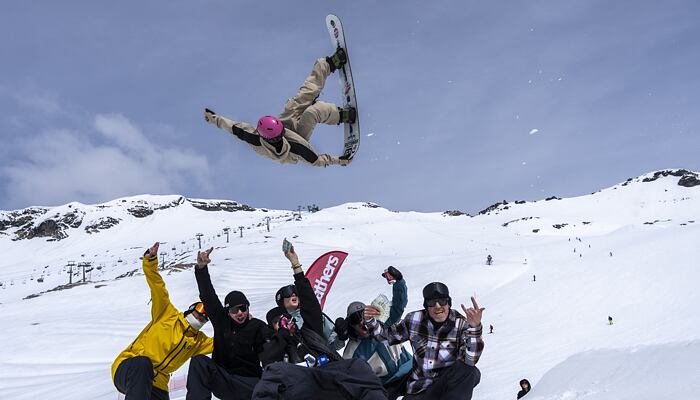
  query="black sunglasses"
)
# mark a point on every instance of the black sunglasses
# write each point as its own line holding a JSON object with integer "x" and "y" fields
{"x": 441, "y": 302}
{"x": 236, "y": 309}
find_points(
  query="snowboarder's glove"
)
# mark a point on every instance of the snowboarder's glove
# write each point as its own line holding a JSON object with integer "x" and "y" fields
{"x": 344, "y": 161}
{"x": 392, "y": 272}
{"x": 209, "y": 116}
{"x": 341, "y": 328}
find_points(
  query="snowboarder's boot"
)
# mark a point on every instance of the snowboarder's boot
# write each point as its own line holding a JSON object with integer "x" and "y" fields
{"x": 348, "y": 115}
{"x": 337, "y": 59}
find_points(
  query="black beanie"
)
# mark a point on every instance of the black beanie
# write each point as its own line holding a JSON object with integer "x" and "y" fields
{"x": 235, "y": 298}
{"x": 275, "y": 312}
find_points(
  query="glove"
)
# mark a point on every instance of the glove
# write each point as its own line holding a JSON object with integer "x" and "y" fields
{"x": 344, "y": 160}
{"x": 392, "y": 274}
{"x": 341, "y": 328}
{"x": 209, "y": 115}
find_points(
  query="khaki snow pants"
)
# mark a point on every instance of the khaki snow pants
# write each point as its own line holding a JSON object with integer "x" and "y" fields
{"x": 301, "y": 113}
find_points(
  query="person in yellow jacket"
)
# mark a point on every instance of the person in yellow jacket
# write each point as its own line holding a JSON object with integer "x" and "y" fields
{"x": 142, "y": 371}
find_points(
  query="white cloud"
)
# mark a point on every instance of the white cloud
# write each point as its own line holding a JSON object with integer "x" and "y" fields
{"x": 59, "y": 166}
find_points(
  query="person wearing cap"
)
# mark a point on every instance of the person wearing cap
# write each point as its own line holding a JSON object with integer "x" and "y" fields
{"x": 389, "y": 363}
{"x": 234, "y": 369}
{"x": 287, "y": 297}
{"x": 446, "y": 345}
{"x": 142, "y": 371}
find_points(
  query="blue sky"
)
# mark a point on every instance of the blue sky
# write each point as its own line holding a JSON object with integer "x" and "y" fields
{"x": 104, "y": 99}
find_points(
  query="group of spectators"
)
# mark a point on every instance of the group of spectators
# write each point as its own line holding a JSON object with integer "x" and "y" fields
{"x": 294, "y": 354}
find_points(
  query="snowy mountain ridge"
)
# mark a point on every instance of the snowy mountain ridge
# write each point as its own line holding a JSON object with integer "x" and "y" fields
{"x": 561, "y": 267}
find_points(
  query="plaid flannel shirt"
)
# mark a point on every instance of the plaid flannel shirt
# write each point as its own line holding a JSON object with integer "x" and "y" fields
{"x": 433, "y": 349}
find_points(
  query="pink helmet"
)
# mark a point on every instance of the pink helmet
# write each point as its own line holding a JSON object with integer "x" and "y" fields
{"x": 270, "y": 127}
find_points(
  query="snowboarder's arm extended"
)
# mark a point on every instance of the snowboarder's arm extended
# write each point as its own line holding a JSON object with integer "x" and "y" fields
{"x": 160, "y": 299}
{"x": 389, "y": 334}
{"x": 310, "y": 156}
{"x": 241, "y": 130}
{"x": 399, "y": 300}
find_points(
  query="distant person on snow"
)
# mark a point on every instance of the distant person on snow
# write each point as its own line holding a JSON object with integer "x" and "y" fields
{"x": 525, "y": 386}
{"x": 286, "y": 138}
{"x": 446, "y": 345}
{"x": 142, "y": 371}
{"x": 610, "y": 321}
{"x": 490, "y": 328}
{"x": 234, "y": 369}
{"x": 390, "y": 363}
{"x": 287, "y": 297}
{"x": 489, "y": 259}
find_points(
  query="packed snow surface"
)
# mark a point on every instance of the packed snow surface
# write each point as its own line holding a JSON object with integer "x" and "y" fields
{"x": 560, "y": 268}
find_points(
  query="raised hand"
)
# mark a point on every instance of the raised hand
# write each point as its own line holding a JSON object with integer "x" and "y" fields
{"x": 371, "y": 312}
{"x": 152, "y": 251}
{"x": 288, "y": 250}
{"x": 473, "y": 314}
{"x": 203, "y": 258}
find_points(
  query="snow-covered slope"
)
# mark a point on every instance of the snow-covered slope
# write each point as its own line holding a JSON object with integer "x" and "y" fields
{"x": 629, "y": 251}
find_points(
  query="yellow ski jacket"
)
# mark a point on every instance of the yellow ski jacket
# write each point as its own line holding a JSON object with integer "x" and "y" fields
{"x": 168, "y": 340}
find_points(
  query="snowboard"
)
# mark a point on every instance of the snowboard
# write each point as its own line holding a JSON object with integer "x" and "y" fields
{"x": 347, "y": 87}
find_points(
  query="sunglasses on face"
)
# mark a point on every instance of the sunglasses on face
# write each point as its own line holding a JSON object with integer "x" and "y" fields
{"x": 236, "y": 309}
{"x": 434, "y": 302}
{"x": 289, "y": 291}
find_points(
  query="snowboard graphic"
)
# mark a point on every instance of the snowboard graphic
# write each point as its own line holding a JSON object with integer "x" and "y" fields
{"x": 352, "y": 131}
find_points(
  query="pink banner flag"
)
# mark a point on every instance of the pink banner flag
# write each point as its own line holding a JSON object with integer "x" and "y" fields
{"x": 323, "y": 271}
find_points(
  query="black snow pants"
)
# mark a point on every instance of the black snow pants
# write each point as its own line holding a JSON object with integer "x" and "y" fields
{"x": 134, "y": 378}
{"x": 456, "y": 382}
{"x": 206, "y": 377}
{"x": 345, "y": 379}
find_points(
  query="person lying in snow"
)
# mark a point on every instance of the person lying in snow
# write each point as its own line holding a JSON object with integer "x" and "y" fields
{"x": 286, "y": 138}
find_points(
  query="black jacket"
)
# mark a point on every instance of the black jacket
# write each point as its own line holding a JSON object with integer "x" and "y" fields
{"x": 309, "y": 340}
{"x": 524, "y": 392}
{"x": 236, "y": 347}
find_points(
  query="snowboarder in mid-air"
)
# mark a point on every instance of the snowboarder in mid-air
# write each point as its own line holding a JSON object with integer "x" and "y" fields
{"x": 285, "y": 138}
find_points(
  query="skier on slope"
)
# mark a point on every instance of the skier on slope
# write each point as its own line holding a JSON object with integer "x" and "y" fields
{"x": 142, "y": 371}
{"x": 286, "y": 138}
{"x": 390, "y": 363}
{"x": 288, "y": 298}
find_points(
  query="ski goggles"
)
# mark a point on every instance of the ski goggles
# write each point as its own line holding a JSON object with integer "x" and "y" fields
{"x": 199, "y": 307}
{"x": 288, "y": 291}
{"x": 442, "y": 302}
{"x": 235, "y": 309}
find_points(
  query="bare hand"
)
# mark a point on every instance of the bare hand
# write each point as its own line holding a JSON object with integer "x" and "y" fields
{"x": 152, "y": 251}
{"x": 203, "y": 258}
{"x": 371, "y": 312}
{"x": 473, "y": 314}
